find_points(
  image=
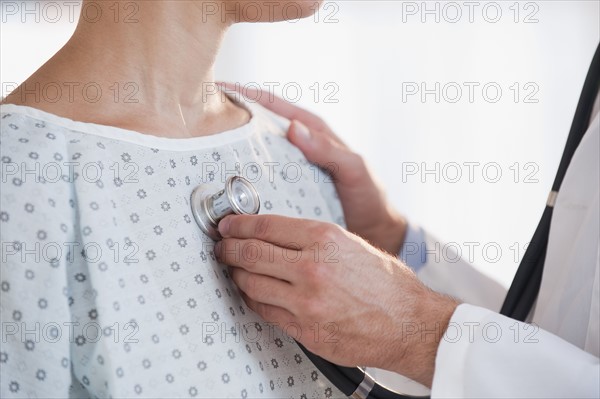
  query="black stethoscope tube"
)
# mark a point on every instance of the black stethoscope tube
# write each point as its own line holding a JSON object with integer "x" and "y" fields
{"x": 353, "y": 381}
{"x": 525, "y": 286}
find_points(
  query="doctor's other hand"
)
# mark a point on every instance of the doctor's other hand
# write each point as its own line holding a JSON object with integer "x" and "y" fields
{"x": 366, "y": 209}
{"x": 351, "y": 303}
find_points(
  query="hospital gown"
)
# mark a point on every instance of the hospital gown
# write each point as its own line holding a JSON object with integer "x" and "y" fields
{"x": 109, "y": 288}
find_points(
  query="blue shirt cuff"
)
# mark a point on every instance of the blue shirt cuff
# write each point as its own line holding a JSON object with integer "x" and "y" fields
{"x": 414, "y": 250}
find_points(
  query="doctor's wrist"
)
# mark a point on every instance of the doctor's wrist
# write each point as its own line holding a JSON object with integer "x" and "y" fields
{"x": 422, "y": 336}
{"x": 389, "y": 235}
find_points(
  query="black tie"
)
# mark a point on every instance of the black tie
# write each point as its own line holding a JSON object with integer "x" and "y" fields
{"x": 526, "y": 284}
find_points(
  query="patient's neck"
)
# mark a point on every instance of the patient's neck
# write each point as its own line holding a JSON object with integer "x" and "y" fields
{"x": 147, "y": 68}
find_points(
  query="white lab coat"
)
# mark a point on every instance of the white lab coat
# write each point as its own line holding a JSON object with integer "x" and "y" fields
{"x": 485, "y": 354}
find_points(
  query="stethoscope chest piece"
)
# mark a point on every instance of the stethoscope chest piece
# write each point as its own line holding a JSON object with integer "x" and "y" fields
{"x": 238, "y": 197}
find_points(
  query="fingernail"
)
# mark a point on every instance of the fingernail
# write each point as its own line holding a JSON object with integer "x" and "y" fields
{"x": 301, "y": 131}
{"x": 224, "y": 227}
{"x": 217, "y": 249}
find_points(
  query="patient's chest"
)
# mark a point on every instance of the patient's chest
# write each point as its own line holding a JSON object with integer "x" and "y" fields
{"x": 172, "y": 322}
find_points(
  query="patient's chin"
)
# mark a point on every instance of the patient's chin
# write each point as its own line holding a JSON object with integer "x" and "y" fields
{"x": 270, "y": 11}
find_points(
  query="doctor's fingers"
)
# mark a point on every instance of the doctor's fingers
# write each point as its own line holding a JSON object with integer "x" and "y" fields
{"x": 270, "y": 313}
{"x": 325, "y": 150}
{"x": 262, "y": 289}
{"x": 259, "y": 257}
{"x": 282, "y": 231}
{"x": 311, "y": 135}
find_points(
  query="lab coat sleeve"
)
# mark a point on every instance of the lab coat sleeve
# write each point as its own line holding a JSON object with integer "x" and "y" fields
{"x": 485, "y": 354}
{"x": 446, "y": 272}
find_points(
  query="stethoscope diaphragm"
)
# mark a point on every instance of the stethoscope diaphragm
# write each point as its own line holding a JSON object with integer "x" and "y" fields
{"x": 238, "y": 197}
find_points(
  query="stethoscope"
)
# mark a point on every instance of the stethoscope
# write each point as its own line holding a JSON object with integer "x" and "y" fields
{"x": 240, "y": 197}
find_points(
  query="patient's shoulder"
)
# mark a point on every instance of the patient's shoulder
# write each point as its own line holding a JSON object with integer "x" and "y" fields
{"x": 27, "y": 126}
{"x": 34, "y": 163}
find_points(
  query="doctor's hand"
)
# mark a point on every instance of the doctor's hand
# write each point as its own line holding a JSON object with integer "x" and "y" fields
{"x": 366, "y": 209}
{"x": 354, "y": 304}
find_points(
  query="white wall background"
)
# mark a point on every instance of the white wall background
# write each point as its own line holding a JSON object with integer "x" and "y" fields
{"x": 369, "y": 50}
